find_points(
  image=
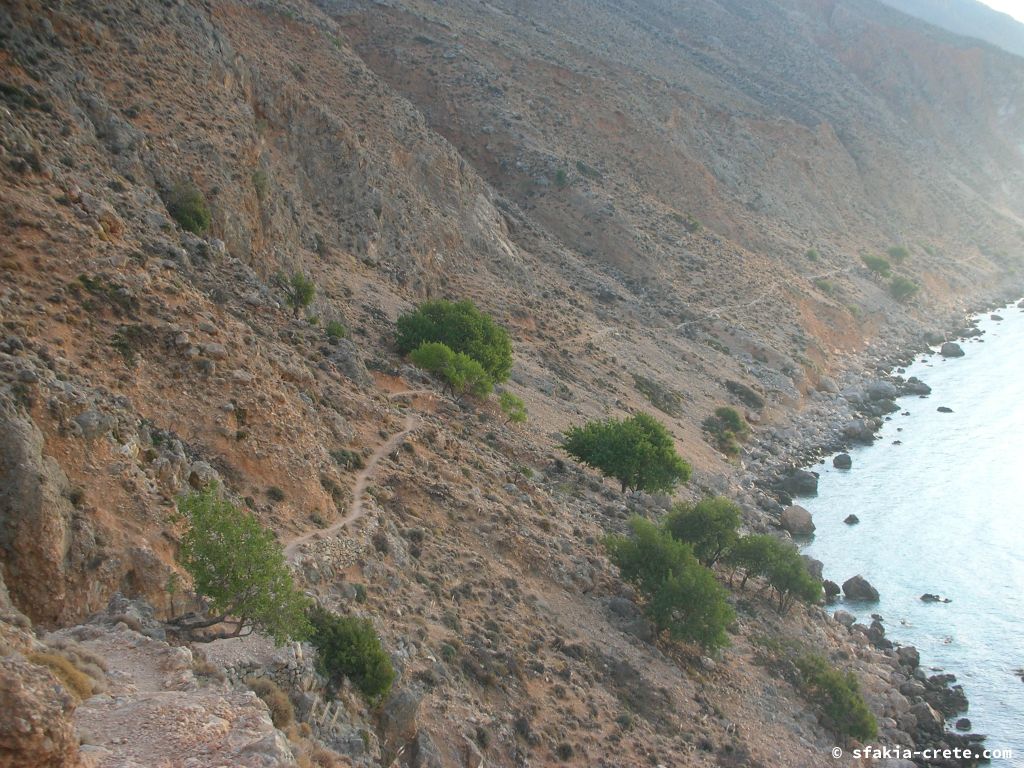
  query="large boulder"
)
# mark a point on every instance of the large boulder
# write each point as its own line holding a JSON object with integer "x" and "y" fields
{"x": 842, "y": 461}
{"x": 801, "y": 483}
{"x": 882, "y": 390}
{"x": 859, "y": 588}
{"x": 951, "y": 349}
{"x": 797, "y": 521}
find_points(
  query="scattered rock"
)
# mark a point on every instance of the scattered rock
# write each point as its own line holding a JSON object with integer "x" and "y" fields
{"x": 944, "y": 409}
{"x": 842, "y": 461}
{"x": 859, "y": 588}
{"x": 928, "y": 597}
{"x": 801, "y": 483}
{"x": 951, "y": 349}
{"x": 909, "y": 656}
{"x": 851, "y": 520}
{"x": 963, "y": 724}
{"x": 845, "y": 618}
{"x": 832, "y": 589}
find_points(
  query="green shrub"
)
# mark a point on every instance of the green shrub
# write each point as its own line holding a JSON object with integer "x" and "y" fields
{"x": 299, "y": 290}
{"x": 349, "y": 647}
{"x": 188, "y": 207}
{"x": 710, "y": 526}
{"x": 462, "y": 328}
{"x": 899, "y": 254}
{"x": 728, "y": 428}
{"x": 902, "y": 288}
{"x": 261, "y": 183}
{"x": 752, "y": 554}
{"x": 335, "y": 330}
{"x": 825, "y": 285}
{"x": 878, "y": 264}
{"x": 238, "y": 567}
{"x": 513, "y": 407}
{"x": 561, "y": 178}
{"x": 838, "y": 697}
{"x": 638, "y": 452}
{"x": 682, "y": 596}
{"x": 812, "y": 255}
{"x": 461, "y": 373}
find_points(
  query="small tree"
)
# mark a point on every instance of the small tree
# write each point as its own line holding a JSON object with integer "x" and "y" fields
{"x": 513, "y": 407}
{"x": 710, "y": 526}
{"x": 683, "y": 597}
{"x": 238, "y": 569}
{"x": 899, "y": 253}
{"x": 752, "y": 554}
{"x": 780, "y": 563}
{"x": 638, "y": 452}
{"x": 299, "y": 291}
{"x": 462, "y": 328}
{"x": 349, "y": 647}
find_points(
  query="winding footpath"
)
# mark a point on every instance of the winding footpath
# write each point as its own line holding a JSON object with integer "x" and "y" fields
{"x": 412, "y": 423}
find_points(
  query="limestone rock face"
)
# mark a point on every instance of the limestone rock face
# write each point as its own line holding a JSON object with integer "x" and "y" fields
{"x": 35, "y": 728}
{"x": 35, "y": 516}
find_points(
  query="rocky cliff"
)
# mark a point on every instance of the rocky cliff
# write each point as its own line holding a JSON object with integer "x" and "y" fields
{"x": 667, "y": 205}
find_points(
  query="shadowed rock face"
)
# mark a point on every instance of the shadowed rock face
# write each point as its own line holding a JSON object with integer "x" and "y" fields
{"x": 35, "y": 516}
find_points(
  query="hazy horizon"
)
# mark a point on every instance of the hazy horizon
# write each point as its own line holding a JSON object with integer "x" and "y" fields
{"x": 1014, "y": 8}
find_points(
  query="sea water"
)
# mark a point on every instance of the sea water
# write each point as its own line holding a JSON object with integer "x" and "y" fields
{"x": 940, "y": 497}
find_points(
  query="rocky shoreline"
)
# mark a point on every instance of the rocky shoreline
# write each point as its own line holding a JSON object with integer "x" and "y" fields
{"x": 839, "y": 416}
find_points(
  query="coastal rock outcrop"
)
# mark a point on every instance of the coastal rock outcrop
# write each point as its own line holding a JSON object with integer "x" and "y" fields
{"x": 842, "y": 461}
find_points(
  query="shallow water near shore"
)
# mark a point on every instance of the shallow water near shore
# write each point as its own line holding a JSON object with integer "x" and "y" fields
{"x": 943, "y": 513}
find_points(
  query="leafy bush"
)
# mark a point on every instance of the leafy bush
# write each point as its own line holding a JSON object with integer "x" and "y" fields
{"x": 838, "y": 696}
{"x": 460, "y": 372}
{"x": 710, "y": 527}
{"x": 899, "y": 253}
{"x": 878, "y": 264}
{"x": 683, "y": 597}
{"x": 825, "y": 285}
{"x": 299, "y": 290}
{"x": 349, "y": 647}
{"x": 238, "y": 567}
{"x": 812, "y": 255}
{"x": 261, "y": 183}
{"x": 462, "y": 328}
{"x": 902, "y": 288}
{"x": 335, "y": 330}
{"x": 728, "y": 428}
{"x": 752, "y": 554}
{"x": 188, "y": 207}
{"x": 638, "y": 452}
{"x": 513, "y": 407}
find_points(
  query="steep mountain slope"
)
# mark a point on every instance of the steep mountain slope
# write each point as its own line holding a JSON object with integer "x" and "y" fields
{"x": 968, "y": 18}
{"x": 550, "y": 170}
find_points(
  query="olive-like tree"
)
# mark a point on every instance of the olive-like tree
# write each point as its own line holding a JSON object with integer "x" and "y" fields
{"x": 638, "y": 452}
{"x": 239, "y": 573}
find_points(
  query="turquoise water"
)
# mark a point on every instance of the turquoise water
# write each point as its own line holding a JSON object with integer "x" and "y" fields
{"x": 944, "y": 513}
